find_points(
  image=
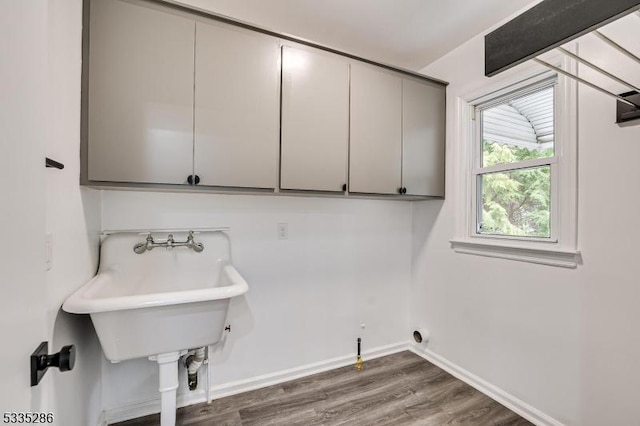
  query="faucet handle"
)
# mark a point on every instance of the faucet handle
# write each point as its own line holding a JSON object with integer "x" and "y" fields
{"x": 197, "y": 247}
{"x": 170, "y": 242}
{"x": 150, "y": 242}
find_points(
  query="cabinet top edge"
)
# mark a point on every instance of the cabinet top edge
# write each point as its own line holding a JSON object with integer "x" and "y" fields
{"x": 176, "y": 5}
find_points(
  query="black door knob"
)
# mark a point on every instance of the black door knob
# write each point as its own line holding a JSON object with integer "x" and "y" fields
{"x": 344, "y": 187}
{"x": 193, "y": 179}
{"x": 404, "y": 190}
{"x": 400, "y": 190}
{"x": 65, "y": 360}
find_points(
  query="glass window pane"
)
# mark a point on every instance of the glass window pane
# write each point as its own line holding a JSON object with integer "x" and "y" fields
{"x": 516, "y": 203}
{"x": 519, "y": 129}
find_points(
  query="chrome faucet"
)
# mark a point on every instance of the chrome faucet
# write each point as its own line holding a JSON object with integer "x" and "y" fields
{"x": 169, "y": 244}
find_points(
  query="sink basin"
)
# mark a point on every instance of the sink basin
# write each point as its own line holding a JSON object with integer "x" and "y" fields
{"x": 162, "y": 300}
{"x": 159, "y": 302}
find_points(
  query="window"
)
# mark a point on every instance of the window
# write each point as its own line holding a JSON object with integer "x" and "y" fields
{"x": 520, "y": 186}
{"x": 515, "y": 164}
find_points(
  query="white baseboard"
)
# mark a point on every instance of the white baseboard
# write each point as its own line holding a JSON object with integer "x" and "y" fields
{"x": 151, "y": 406}
{"x": 516, "y": 405}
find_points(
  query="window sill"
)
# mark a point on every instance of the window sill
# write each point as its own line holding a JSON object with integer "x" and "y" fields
{"x": 542, "y": 256}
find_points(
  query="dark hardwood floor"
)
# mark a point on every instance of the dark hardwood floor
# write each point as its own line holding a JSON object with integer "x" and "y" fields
{"x": 399, "y": 389}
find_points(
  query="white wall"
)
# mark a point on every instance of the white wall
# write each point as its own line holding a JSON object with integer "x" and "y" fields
{"x": 22, "y": 74}
{"x": 73, "y": 220}
{"x": 609, "y": 284}
{"x": 346, "y": 262}
{"x": 561, "y": 340}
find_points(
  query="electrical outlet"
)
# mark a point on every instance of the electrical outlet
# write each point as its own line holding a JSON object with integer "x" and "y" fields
{"x": 48, "y": 253}
{"x": 283, "y": 231}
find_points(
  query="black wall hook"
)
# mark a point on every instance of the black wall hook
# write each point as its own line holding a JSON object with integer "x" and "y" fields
{"x": 53, "y": 164}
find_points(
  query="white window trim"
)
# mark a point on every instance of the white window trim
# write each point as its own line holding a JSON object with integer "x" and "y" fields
{"x": 561, "y": 249}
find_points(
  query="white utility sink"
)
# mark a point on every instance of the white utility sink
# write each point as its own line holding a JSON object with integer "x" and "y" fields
{"x": 160, "y": 302}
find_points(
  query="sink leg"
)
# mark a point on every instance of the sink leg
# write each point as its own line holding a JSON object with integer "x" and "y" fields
{"x": 168, "y": 364}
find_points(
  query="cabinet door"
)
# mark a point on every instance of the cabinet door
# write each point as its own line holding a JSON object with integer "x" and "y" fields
{"x": 236, "y": 107}
{"x": 376, "y": 131}
{"x": 423, "y": 138}
{"x": 315, "y": 120}
{"x": 140, "y": 94}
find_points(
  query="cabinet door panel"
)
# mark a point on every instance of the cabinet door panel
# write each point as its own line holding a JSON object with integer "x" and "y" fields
{"x": 140, "y": 94}
{"x": 376, "y": 131}
{"x": 423, "y": 138}
{"x": 315, "y": 121}
{"x": 236, "y": 107}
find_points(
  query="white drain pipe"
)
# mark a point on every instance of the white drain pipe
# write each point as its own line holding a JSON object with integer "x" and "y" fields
{"x": 194, "y": 362}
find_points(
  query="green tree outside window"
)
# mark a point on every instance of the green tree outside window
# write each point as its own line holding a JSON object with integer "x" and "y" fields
{"x": 516, "y": 202}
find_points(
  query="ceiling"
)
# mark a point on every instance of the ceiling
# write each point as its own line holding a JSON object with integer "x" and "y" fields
{"x": 405, "y": 33}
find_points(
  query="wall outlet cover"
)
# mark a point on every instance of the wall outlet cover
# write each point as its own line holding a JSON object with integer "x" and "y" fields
{"x": 283, "y": 231}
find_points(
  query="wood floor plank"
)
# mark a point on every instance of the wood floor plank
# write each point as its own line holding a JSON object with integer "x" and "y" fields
{"x": 392, "y": 418}
{"x": 225, "y": 419}
{"x": 427, "y": 413}
{"x": 380, "y": 383}
{"x": 290, "y": 408}
{"x": 397, "y": 390}
{"x": 300, "y": 417}
{"x": 390, "y": 410}
{"x": 371, "y": 404}
{"x": 451, "y": 394}
{"x": 246, "y": 399}
{"x": 152, "y": 420}
{"x": 518, "y": 421}
{"x": 481, "y": 410}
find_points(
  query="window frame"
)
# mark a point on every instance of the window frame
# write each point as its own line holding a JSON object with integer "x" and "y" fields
{"x": 561, "y": 248}
{"x": 477, "y": 170}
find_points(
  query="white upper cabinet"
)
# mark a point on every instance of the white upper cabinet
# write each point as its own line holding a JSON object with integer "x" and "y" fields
{"x": 176, "y": 98}
{"x": 376, "y": 131}
{"x": 237, "y": 84}
{"x": 140, "y": 95}
{"x": 423, "y": 138}
{"x": 315, "y": 120}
